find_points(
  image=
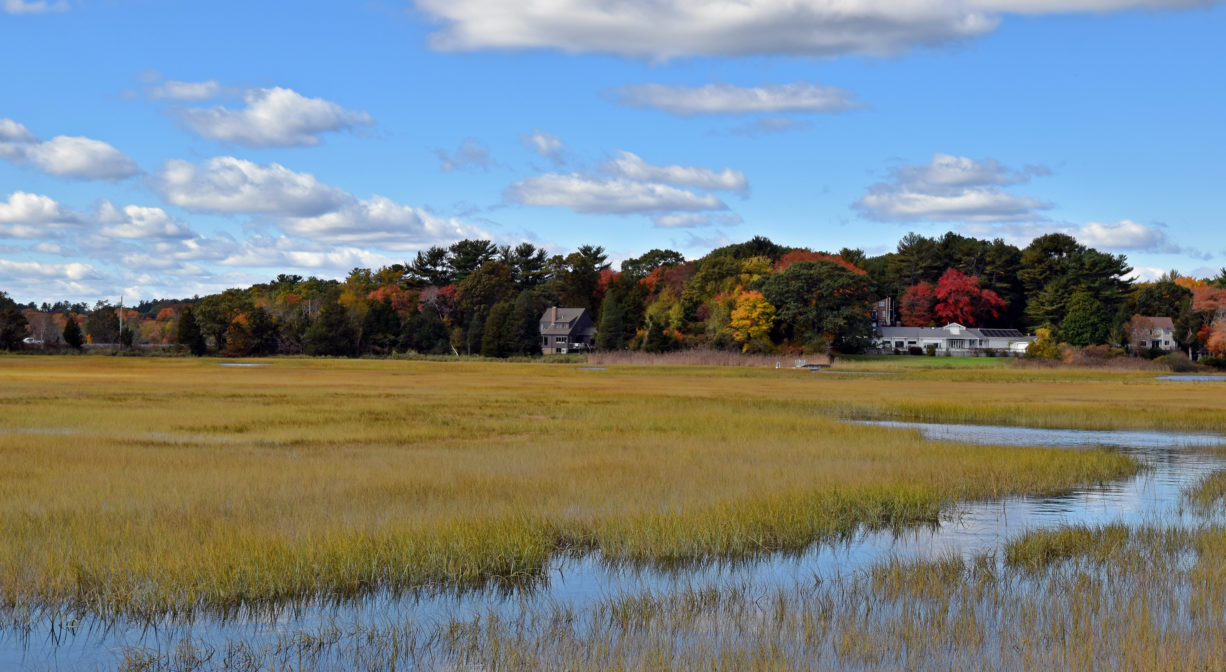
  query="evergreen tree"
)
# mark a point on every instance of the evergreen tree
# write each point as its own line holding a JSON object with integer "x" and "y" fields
{"x": 610, "y": 333}
{"x": 332, "y": 333}
{"x": 425, "y": 333}
{"x": 1086, "y": 322}
{"x": 72, "y": 333}
{"x": 492, "y": 335}
{"x": 380, "y": 328}
{"x": 13, "y": 324}
{"x": 102, "y": 323}
{"x": 188, "y": 333}
{"x": 523, "y": 327}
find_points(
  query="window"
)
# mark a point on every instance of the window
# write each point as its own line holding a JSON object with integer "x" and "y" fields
{"x": 559, "y": 339}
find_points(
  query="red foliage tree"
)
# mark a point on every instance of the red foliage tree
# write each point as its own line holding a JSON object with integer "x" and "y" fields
{"x": 806, "y": 255}
{"x": 960, "y": 299}
{"x": 915, "y": 307}
{"x": 607, "y": 277}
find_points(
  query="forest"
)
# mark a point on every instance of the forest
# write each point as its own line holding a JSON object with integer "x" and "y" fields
{"x": 478, "y": 298}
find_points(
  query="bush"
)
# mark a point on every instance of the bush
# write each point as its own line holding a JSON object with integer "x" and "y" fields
{"x": 1178, "y": 362}
{"x": 1215, "y": 362}
{"x": 930, "y": 349}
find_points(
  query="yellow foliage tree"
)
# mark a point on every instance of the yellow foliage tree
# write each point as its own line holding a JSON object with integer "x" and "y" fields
{"x": 752, "y": 321}
{"x": 1044, "y": 346}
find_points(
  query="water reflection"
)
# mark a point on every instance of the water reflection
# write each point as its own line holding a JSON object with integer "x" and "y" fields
{"x": 1172, "y": 462}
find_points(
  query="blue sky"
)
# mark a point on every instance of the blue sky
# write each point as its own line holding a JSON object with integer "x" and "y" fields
{"x": 165, "y": 149}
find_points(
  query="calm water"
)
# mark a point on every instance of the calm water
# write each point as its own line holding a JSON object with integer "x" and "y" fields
{"x": 1173, "y": 462}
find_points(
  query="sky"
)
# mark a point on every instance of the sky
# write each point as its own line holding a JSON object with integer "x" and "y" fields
{"x": 165, "y": 149}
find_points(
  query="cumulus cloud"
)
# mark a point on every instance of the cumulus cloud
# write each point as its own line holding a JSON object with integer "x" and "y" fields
{"x": 275, "y": 117}
{"x": 545, "y": 145}
{"x": 301, "y": 206}
{"x": 472, "y": 153}
{"x": 379, "y": 222}
{"x": 34, "y": 211}
{"x": 139, "y": 223}
{"x": 631, "y": 167}
{"x": 693, "y": 220}
{"x": 593, "y": 195}
{"x": 65, "y": 156}
{"x": 1128, "y": 235}
{"x": 951, "y": 188}
{"x": 186, "y": 91}
{"x": 73, "y": 272}
{"x": 229, "y": 185}
{"x": 33, "y": 6}
{"x": 663, "y": 29}
{"x": 688, "y": 101}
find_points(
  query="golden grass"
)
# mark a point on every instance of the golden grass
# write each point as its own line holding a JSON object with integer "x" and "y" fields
{"x": 145, "y": 487}
{"x": 1117, "y": 599}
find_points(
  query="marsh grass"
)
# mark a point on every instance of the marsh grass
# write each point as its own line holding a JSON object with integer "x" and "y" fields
{"x": 141, "y": 488}
{"x": 1141, "y": 599}
{"x": 1208, "y": 493}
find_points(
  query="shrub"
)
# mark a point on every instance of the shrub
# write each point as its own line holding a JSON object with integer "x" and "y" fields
{"x": 1179, "y": 362}
{"x": 1215, "y": 362}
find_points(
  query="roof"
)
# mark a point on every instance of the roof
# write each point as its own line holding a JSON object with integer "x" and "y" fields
{"x": 1163, "y": 323}
{"x": 946, "y": 332}
{"x": 1002, "y": 333}
{"x": 563, "y": 321}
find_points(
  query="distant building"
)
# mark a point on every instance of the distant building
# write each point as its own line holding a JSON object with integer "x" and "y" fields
{"x": 953, "y": 339}
{"x": 1152, "y": 333}
{"x": 566, "y": 330}
{"x": 883, "y": 313}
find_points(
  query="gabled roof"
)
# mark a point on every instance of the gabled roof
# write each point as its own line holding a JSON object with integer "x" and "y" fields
{"x": 563, "y": 321}
{"x": 1163, "y": 323}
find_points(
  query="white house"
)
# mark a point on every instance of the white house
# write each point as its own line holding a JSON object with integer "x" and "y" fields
{"x": 952, "y": 338}
{"x": 1156, "y": 333}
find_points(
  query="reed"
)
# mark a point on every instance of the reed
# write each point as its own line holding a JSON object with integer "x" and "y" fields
{"x": 146, "y": 487}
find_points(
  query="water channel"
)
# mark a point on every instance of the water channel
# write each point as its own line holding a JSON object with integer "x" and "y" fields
{"x": 1172, "y": 462}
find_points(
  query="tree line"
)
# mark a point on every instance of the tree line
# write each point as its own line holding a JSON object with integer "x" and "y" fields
{"x": 475, "y": 297}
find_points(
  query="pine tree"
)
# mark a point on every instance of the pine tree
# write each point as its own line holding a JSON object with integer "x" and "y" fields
{"x": 188, "y": 333}
{"x": 72, "y": 333}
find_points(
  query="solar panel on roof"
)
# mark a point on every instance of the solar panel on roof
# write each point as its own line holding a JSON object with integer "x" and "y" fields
{"x": 1001, "y": 333}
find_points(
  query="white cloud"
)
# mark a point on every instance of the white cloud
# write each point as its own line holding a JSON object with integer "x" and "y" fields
{"x": 951, "y": 188}
{"x": 83, "y": 158}
{"x": 230, "y": 185}
{"x": 586, "y": 194}
{"x": 1146, "y": 273}
{"x": 26, "y": 208}
{"x": 546, "y": 145}
{"x": 284, "y": 254}
{"x": 379, "y": 222}
{"x": 631, "y": 167}
{"x": 275, "y": 117}
{"x": 663, "y": 29}
{"x": 188, "y": 91}
{"x": 11, "y": 131}
{"x": 139, "y": 223}
{"x": 803, "y": 97}
{"x": 33, "y": 6}
{"x": 66, "y": 156}
{"x": 472, "y": 153}
{"x": 26, "y": 215}
{"x": 692, "y": 220}
{"x": 1128, "y": 235}
{"x": 301, "y": 206}
{"x": 74, "y": 271}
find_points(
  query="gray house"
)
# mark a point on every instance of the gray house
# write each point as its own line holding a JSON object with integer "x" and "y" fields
{"x": 953, "y": 338}
{"x": 567, "y": 330}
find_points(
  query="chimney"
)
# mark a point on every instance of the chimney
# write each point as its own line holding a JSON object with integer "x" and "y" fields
{"x": 554, "y": 319}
